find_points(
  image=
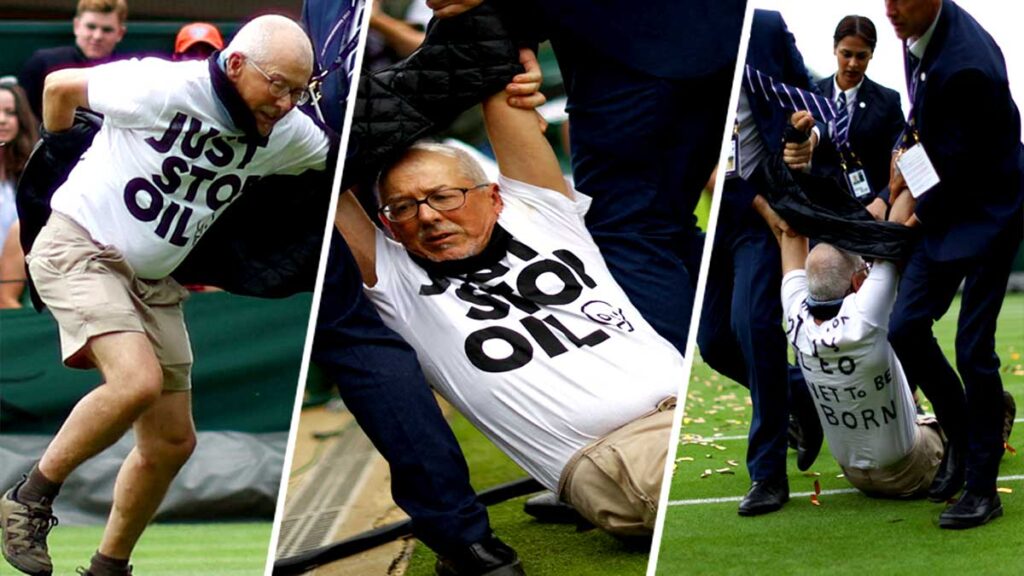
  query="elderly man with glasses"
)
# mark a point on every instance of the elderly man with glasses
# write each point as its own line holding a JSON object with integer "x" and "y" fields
{"x": 836, "y": 311}
{"x": 180, "y": 142}
{"x": 516, "y": 318}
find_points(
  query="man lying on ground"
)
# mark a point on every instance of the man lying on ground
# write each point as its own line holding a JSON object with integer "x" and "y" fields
{"x": 837, "y": 314}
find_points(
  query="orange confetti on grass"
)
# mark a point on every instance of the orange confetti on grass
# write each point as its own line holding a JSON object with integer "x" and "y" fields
{"x": 817, "y": 491}
{"x": 1010, "y": 449}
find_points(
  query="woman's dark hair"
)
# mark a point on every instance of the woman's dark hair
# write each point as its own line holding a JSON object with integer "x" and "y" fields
{"x": 16, "y": 153}
{"x": 860, "y": 26}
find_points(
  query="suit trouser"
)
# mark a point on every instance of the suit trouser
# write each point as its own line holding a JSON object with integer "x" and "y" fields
{"x": 971, "y": 415}
{"x": 379, "y": 378}
{"x": 741, "y": 333}
{"x": 643, "y": 148}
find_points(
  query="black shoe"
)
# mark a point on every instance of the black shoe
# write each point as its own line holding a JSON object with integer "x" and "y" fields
{"x": 1009, "y": 415}
{"x": 971, "y": 511}
{"x": 765, "y": 496}
{"x": 950, "y": 477}
{"x": 546, "y": 507}
{"x": 804, "y": 417}
{"x": 489, "y": 557}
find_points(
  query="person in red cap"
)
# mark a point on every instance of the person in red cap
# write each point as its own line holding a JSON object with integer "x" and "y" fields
{"x": 196, "y": 41}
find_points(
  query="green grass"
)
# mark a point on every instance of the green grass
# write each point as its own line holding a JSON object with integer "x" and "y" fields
{"x": 545, "y": 549}
{"x": 847, "y": 533}
{"x": 215, "y": 549}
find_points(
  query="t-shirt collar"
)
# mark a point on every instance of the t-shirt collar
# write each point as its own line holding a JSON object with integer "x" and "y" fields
{"x": 230, "y": 98}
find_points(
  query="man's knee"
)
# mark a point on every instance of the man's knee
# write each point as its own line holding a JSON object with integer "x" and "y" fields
{"x": 974, "y": 356}
{"x": 169, "y": 450}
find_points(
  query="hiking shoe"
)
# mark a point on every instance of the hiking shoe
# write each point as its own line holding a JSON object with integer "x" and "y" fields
{"x": 25, "y": 526}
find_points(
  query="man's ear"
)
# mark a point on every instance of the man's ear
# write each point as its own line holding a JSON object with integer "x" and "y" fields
{"x": 386, "y": 223}
{"x": 233, "y": 65}
{"x": 495, "y": 194}
{"x": 858, "y": 280}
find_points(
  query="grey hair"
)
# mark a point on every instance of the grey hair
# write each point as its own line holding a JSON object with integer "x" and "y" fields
{"x": 829, "y": 272}
{"x": 261, "y": 39}
{"x": 468, "y": 166}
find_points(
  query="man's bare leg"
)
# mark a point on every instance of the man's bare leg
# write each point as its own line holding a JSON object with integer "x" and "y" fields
{"x": 164, "y": 440}
{"x": 133, "y": 382}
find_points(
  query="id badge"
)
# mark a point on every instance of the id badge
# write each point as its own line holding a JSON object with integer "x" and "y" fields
{"x": 917, "y": 170}
{"x": 732, "y": 162}
{"x": 858, "y": 182}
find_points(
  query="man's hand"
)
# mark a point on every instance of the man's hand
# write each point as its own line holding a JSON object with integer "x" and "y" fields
{"x": 524, "y": 89}
{"x": 903, "y": 210}
{"x": 798, "y": 155}
{"x": 775, "y": 222}
{"x": 449, "y": 8}
{"x": 896, "y": 182}
{"x": 877, "y": 208}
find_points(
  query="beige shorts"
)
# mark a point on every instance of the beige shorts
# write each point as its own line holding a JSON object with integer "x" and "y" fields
{"x": 908, "y": 478}
{"x": 92, "y": 290}
{"x": 615, "y": 481}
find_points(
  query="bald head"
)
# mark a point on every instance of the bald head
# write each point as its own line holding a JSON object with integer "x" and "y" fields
{"x": 830, "y": 272}
{"x": 464, "y": 165}
{"x": 273, "y": 39}
{"x": 270, "y": 62}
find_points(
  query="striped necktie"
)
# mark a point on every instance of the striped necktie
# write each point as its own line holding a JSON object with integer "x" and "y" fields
{"x": 842, "y": 122}
{"x": 788, "y": 97}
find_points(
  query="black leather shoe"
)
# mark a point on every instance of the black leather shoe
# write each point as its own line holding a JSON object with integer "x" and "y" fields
{"x": 1009, "y": 415}
{"x": 950, "y": 477}
{"x": 971, "y": 510}
{"x": 765, "y": 496}
{"x": 546, "y": 507}
{"x": 489, "y": 557}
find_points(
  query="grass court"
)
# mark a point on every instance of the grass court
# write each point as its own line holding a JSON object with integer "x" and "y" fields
{"x": 848, "y": 533}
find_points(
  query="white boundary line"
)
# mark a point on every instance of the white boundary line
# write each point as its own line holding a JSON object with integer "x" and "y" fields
{"x": 726, "y": 499}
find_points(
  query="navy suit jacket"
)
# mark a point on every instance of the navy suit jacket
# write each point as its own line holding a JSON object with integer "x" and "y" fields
{"x": 876, "y": 125}
{"x": 663, "y": 38}
{"x": 970, "y": 128}
{"x": 772, "y": 50}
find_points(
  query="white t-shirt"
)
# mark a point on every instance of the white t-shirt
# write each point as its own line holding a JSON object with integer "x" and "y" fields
{"x": 544, "y": 353}
{"x": 169, "y": 159}
{"x": 858, "y": 385}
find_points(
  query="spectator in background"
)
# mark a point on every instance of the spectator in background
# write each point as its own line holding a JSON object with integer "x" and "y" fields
{"x": 98, "y": 26}
{"x": 196, "y": 41}
{"x": 18, "y": 134}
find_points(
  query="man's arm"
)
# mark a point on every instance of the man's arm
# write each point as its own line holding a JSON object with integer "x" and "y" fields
{"x": 793, "y": 246}
{"x": 63, "y": 92}
{"x": 522, "y": 151}
{"x": 360, "y": 235}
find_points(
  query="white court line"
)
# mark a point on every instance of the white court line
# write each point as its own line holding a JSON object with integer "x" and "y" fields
{"x": 744, "y": 436}
{"x": 726, "y": 499}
